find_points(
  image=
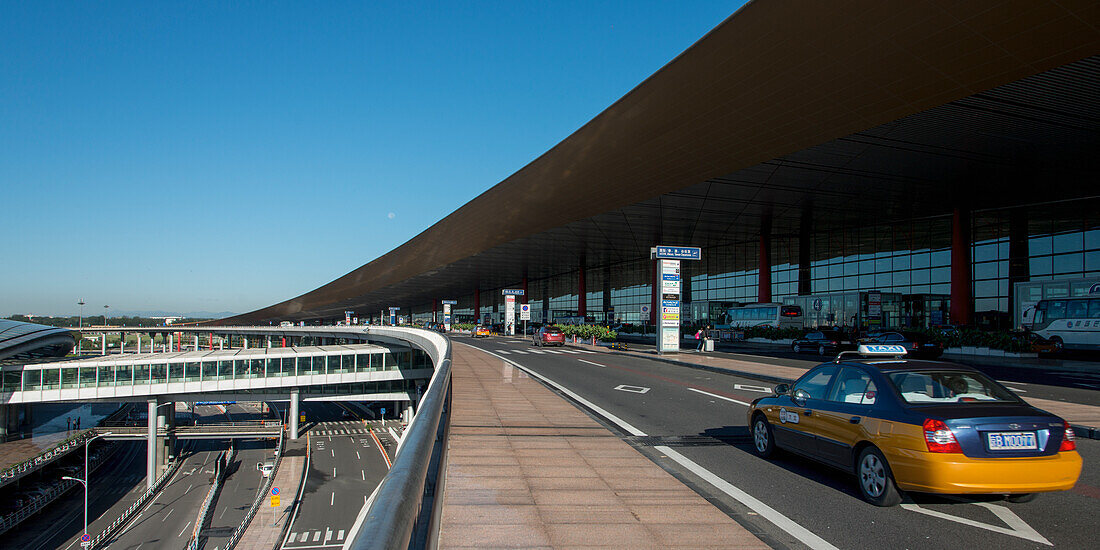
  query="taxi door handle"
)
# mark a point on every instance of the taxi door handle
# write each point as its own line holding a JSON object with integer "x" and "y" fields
{"x": 854, "y": 419}
{"x": 808, "y": 412}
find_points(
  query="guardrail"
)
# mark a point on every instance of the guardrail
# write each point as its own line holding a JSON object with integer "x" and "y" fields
{"x": 401, "y": 507}
{"x": 137, "y": 505}
{"x": 16, "y": 471}
{"x": 220, "y": 468}
{"x": 236, "y": 536}
{"x": 50, "y": 495}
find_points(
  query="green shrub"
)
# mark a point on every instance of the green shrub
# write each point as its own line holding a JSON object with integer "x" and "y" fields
{"x": 587, "y": 332}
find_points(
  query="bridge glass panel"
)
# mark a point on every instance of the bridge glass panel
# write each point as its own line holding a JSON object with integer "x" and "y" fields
{"x": 32, "y": 380}
{"x": 363, "y": 362}
{"x": 160, "y": 373}
{"x": 256, "y": 368}
{"x": 12, "y": 381}
{"x": 209, "y": 370}
{"x": 106, "y": 376}
{"x": 175, "y": 372}
{"x": 347, "y": 363}
{"x": 142, "y": 374}
{"x": 314, "y": 365}
{"x": 69, "y": 376}
{"x": 287, "y": 366}
{"x": 124, "y": 375}
{"x": 404, "y": 359}
{"x": 51, "y": 379}
{"x": 302, "y": 365}
{"x": 192, "y": 371}
{"x": 225, "y": 370}
{"x": 389, "y": 362}
{"x": 240, "y": 368}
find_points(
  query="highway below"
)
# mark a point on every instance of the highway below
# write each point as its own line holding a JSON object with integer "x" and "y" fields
{"x": 345, "y": 466}
{"x": 692, "y": 422}
{"x": 239, "y": 490}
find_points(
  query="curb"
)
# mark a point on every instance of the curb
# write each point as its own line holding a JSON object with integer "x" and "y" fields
{"x": 281, "y": 539}
{"x": 1084, "y": 432}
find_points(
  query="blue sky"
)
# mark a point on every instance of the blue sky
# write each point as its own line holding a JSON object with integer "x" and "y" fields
{"x": 227, "y": 156}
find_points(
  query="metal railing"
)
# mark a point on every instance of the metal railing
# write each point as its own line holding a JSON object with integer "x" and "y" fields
{"x": 402, "y": 504}
{"x": 236, "y": 536}
{"x": 15, "y": 471}
{"x": 138, "y": 504}
{"x": 220, "y": 470}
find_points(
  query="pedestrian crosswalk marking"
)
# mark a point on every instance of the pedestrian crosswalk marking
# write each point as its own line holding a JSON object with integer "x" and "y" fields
{"x": 552, "y": 351}
{"x": 316, "y": 536}
{"x": 502, "y": 352}
{"x": 519, "y": 352}
{"x": 536, "y": 351}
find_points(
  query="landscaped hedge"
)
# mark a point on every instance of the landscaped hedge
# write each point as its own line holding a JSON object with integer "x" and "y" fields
{"x": 586, "y": 332}
{"x": 463, "y": 326}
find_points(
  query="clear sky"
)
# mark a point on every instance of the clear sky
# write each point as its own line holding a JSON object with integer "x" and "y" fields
{"x": 202, "y": 156}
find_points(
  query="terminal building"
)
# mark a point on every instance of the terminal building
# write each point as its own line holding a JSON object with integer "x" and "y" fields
{"x": 939, "y": 160}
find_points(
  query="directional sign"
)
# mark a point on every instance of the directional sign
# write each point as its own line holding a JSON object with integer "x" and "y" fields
{"x": 450, "y": 302}
{"x": 511, "y": 291}
{"x": 676, "y": 252}
{"x": 274, "y": 491}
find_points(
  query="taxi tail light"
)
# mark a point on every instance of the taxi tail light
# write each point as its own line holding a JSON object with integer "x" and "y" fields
{"x": 940, "y": 438}
{"x": 1068, "y": 440}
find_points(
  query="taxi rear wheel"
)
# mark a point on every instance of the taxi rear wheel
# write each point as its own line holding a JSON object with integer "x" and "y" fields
{"x": 763, "y": 444}
{"x": 796, "y": 348}
{"x": 876, "y": 482}
{"x": 821, "y": 349}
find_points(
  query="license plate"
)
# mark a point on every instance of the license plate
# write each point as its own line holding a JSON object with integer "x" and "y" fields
{"x": 1012, "y": 441}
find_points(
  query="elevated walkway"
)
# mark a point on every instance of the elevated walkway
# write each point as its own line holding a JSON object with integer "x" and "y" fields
{"x": 527, "y": 469}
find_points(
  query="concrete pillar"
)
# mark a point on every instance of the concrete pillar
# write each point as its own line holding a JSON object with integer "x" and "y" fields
{"x": 244, "y": 341}
{"x": 764, "y": 263}
{"x": 122, "y": 343}
{"x": 170, "y": 427}
{"x": 104, "y": 343}
{"x": 171, "y": 342}
{"x": 221, "y": 343}
{"x": 269, "y": 341}
{"x": 293, "y": 413}
{"x": 161, "y": 447}
{"x": 151, "y": 445}
{"x": 196, "y": 342}
{"x": 962, "y": 301}
{"x": 139, "y": 342}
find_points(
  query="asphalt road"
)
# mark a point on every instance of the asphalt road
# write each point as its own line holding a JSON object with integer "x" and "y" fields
{"x": 238, "y": 492}
{"x": 115, "y": 486}
{"x": 692, "y": 423}
{"x": 345, "y": 466}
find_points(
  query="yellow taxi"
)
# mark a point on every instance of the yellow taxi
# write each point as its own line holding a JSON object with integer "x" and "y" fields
{"x": 913, "y": 425}
{"x": 480, "y": 331}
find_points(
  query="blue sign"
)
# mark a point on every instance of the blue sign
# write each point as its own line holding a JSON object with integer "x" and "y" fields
{"x": 274, "y": 490}
{"x": 394, "y": 308}
{"x": 670, "y": 303}
{"x": 511, "y": 292}
{"x": 678, "y": 253}
{"x": 383, "y": 411}
{"x": 450, "y": 302}
{"x": 667, "y": 277}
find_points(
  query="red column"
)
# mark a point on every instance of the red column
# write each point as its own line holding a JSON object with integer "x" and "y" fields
{"x": 211, "y": 342}
{"x": 477, "y": 305}
{"x": 764, "y": 266}
{"x": 962, "y": 302}
{"x": 582, "y": 294}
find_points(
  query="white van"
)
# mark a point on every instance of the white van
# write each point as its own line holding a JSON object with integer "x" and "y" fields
{"x": 266, "y": 467}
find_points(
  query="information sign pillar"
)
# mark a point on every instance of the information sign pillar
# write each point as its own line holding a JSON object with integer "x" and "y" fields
{"x": 669, "y": 287}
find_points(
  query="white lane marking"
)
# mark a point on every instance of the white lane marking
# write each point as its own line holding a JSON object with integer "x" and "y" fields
{"x": 184, "y": 529}
{"x": 552, "y": 351}
{"x": 591, "y": 363}
{"x": 502, "y": 352}
{"x": 316, "y": 536}
{"x": 334, "y": 472}
{"x": 1016, "y": 526}
{"x": 357, "y": 457}
{"x": 332, "y": 499}
{"x": 537, "y": 352}
{"x": 340, "y": 535}
{"x": 518, "y": 352}
{"x": 311, "y": 546}
{"x": 631, "y": 389}
{"x": 750, "y": 387}
{"x": 719, "y": 396}
{"x": 333, "y": 451}
{"x": 783, "y": 522}
{"x": 290, "y": 538}
{"x": 363, "y": 474}
{"x": 569, "y": 351}
{"x": 328, "y": 535}
{"x": 1017, "y": 390}
{"x": 584, "y": 351}
{"x": 168, "y": 514}
{"x": 595, "y": 408}
{"x": 189, "y": 488}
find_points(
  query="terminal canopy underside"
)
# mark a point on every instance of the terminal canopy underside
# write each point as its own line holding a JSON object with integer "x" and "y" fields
{"x": 1029, "y": 143}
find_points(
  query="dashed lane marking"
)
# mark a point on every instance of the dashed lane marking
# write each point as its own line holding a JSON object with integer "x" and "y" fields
{"x": 718, "y": 396}
{"x": 502, "y": 352}
{"x": 591, "y": 363}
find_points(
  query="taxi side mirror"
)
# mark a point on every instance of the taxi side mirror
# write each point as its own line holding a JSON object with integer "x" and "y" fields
{"x": 259, "y": 465}
{"x": 782, "y": 389}
{"x": 800, "y": 396}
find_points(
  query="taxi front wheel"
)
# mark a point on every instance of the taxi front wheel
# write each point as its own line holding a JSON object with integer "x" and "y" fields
{"x": 876, "y": 482}
{"x": 763, "y": 444}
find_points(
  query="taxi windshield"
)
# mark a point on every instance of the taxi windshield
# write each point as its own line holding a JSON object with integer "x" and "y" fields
{"x": 946, "y": 386}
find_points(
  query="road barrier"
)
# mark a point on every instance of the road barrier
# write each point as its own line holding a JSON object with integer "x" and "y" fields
{"x": 220, "y": 469}
{"x": 236, "y": 536}
{"x": 137, "y": 505}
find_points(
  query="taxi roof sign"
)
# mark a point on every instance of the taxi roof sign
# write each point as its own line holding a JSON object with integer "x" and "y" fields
{"x": 874, "y": 350}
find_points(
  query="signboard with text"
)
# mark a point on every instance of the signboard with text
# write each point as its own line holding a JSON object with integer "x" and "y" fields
{"x": 510, "y": 314}
{"x": 676, "y": 252}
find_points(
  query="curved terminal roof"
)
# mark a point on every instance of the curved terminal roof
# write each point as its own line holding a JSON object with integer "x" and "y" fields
{"x": 843, "y": 105}
{"x": 20, "y": 341}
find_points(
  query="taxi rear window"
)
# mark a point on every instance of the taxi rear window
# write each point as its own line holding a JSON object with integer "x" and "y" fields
{"x": 935, "y": 387}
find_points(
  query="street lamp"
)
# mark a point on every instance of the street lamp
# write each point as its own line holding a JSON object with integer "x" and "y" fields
{"x": 105, "y": 315}
{"x": 84, "y": 481}
{"x": 80, "y": 345}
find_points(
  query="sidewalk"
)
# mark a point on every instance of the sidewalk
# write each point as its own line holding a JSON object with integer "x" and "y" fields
{"x": 527, "y": 469}
{"x": 1085, "y": 419}
{"x": 261, "y": 533}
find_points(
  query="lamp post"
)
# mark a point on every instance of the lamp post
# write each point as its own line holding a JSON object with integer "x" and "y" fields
{"x": 80, "y": 320}
{"x": 105, "y": 315}
{"x": 84, "y": 481}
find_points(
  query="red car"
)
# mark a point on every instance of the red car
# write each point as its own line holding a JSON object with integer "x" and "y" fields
{"x": 548, "y": 336}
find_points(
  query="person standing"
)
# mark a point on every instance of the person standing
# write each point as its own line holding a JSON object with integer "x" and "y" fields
{"x": 700, "y": 338}
{"x": 68, "y": 423}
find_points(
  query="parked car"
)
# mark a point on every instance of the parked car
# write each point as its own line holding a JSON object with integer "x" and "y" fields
{"x": 916, "y": 344}
{"x": 824, "y": 342}
{"x": 548, "y": 336}
{"x": 914, "y": 425}
{"x": 1037, "y": 343}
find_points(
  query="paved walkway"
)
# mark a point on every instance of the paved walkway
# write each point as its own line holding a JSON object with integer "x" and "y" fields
{"x": 527, "y": 469}
{"x": 263, "y": 532}
{"x": 1084, "y": 418}
{"x": 14, "y": 452}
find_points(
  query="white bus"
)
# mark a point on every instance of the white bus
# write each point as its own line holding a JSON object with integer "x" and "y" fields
{"x": 763, "y": 315}
{"x": 1070, "y": 323}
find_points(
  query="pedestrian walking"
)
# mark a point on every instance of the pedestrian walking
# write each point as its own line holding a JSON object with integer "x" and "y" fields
{"x": 78, "y": 422}
{"x": 68, "y": 423}
{"x": 700, "y": 338}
